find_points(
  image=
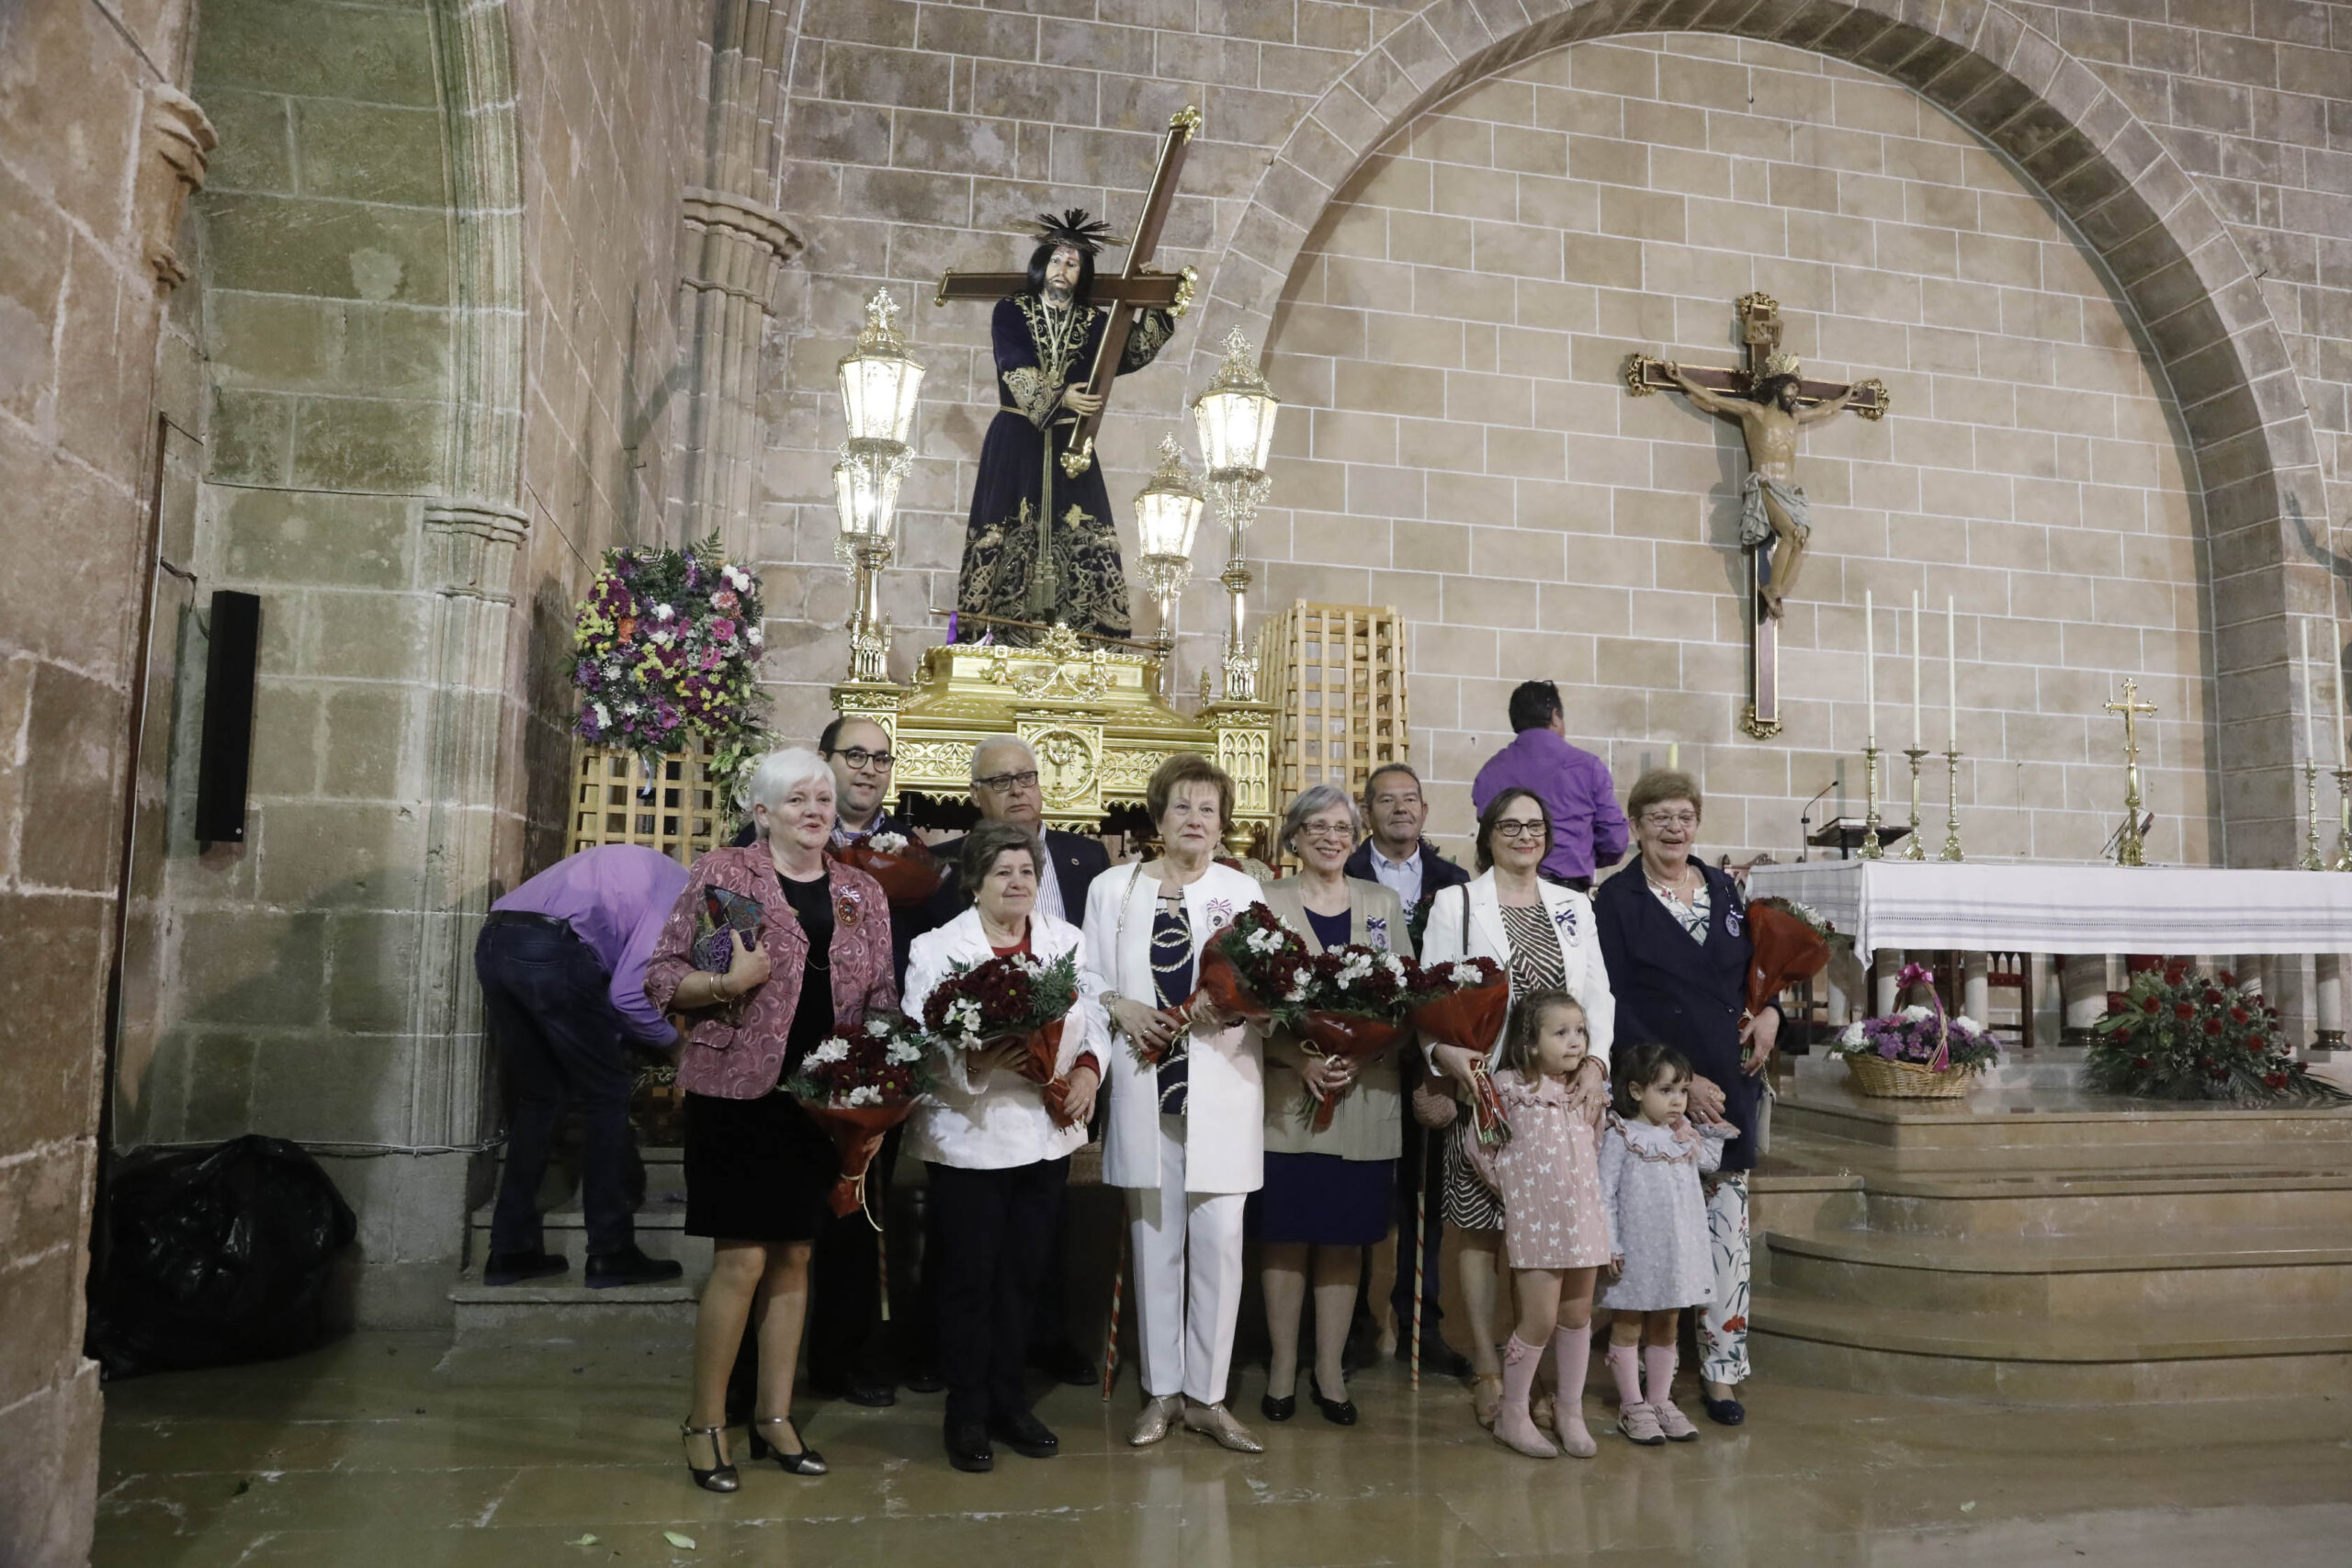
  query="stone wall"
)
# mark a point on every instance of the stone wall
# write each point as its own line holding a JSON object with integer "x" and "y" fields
{"x": 2182, "y": 162}
{"x": 97, "y": 148}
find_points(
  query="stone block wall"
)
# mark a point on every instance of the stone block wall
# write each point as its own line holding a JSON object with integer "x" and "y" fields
{"x": 89, "y": 202}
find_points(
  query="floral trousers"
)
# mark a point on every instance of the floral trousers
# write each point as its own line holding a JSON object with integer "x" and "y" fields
{"x": 1723, "y": 1323}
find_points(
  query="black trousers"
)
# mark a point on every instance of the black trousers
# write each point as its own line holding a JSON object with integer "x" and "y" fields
{"x": 996, "y": 1230}
{"x": 552, "y": 1017}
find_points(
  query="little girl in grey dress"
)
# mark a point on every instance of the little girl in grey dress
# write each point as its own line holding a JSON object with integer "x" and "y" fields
{"x": 1651, "y": 1156}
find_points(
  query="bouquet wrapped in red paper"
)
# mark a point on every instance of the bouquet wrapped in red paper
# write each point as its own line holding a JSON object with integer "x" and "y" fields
{"x": 1465, "y": 1002}
{"x": 1019, "y": 998}
{"x": 1256, "y": 968}
{"x": 908, "y": 871}
{"x": 1353, "y": 1008}
{"x": 858, "y": 1088}
{"x": 1792, "y": 944}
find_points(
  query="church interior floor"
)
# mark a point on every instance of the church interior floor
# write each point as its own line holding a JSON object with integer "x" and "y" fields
{"x": 396, "y": 1449}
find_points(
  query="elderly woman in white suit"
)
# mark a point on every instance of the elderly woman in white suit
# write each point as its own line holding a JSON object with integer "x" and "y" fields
{"x": 998, "y": 1161}
{"x": 1186, "y": 1137}
{"x": 1543, "y": 935}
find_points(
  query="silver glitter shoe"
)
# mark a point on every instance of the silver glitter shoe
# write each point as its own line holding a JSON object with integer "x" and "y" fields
{"x": 1151, "y": 1424}
{"x": 1215, "y": 1421}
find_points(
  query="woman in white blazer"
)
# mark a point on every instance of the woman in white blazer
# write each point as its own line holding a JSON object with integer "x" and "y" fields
{"x": 1543, "y": 935}
{"x": 1186, "y": 1137}
{"x": 997, "y": 1162}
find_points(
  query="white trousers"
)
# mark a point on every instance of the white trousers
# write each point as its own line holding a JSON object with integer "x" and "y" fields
{"x": 1188, "y": 1277}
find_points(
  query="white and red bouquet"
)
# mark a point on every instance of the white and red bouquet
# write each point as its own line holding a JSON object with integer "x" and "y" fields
{"x": 1354, "y": 1009}
{"x": 859, "y": 1087}
{"x": 1465, "y": 1003}
{"x": 910, "y": 874}
{"x": 1019, "y": 999}
{"x": 1256, "y": 968}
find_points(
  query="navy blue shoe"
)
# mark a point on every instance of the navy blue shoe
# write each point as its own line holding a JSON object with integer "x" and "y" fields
{"x": 1723, "y": 1412}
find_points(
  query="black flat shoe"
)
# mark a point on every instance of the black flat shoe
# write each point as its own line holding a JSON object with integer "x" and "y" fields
{"x": 967, "y": 1448}
{"x": 1065, "y": 1363}
{"x": 1723, "y": 1412}
{"x": 924, "y": 1379}
{"x": 514, "y": 1268}
{"x": 872, "y": 1393}
{"x": 1437, "y": 1357}
{"x": 808, "y": 1461}
{"x": 1025, "y": 1434}
{"x": 1338, "y": 1412}
{"x": 630, "y": 1267}
{"x": 1281, "y": 1409}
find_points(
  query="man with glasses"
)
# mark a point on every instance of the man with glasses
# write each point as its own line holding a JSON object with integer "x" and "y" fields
{"x": 1400, "y": 860}
{"x": 1588, "y": 830}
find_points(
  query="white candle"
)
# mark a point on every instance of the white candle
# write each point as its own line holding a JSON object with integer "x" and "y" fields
{"x": 2335, "y": 639}
{"x": 1951, "y": 670}
{"x": 1870, "y": 672}
{"x": 2309, "y": 749}
{"x": 1674, "y": 755}
{"x": 1916, "y": 744}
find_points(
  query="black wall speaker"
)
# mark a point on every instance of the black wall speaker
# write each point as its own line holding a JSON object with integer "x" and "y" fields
{"x": 224, "y": 764}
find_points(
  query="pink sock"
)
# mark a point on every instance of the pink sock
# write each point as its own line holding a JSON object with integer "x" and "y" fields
{"x": 1572, "y": 1350}
{"x": 1520, "y": 1361}
{"x": 1657, "y": 1360}
{"x": 1625, "y": 1364}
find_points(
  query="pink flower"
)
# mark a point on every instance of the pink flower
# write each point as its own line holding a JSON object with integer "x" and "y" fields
{"x": 723, "y": 630}
{"x": 724, "y": 601}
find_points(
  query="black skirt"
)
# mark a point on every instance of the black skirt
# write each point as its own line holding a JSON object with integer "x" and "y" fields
{"x": 756, "y": 1169}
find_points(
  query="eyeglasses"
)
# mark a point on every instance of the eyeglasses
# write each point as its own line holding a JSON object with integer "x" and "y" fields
{"x": 1339, "y": 831}
{"x": 859, "y": 757}
{"x": 1517, "y": 829}
{"x": 1670, "y": 820}
{"x": 1005, "y": 784}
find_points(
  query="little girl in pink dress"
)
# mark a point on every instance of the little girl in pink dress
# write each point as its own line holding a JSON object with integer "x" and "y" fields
{"x": 1555, "y": 1228}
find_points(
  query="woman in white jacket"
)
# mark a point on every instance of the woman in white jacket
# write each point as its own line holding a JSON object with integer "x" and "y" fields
{"x": 1543, "y": 936}
{"x": 998, "y": 1161}
{"x": 1186, "y": 1135}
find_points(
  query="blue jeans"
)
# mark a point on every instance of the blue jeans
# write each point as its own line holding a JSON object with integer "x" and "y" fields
{"x": 558, "y": 1035}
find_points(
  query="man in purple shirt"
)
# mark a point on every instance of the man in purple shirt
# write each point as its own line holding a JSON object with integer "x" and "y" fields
{"x": 1587, "y": 830}
{"x": 562, "y": 967}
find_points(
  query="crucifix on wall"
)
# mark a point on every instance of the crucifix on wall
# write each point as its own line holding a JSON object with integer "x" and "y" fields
{"x": 1771, "y": 399}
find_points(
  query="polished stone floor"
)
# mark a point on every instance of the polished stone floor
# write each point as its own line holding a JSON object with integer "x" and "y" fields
{"x": 392, "y": 1449}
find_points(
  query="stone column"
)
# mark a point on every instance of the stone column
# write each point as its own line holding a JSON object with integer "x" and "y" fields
{"x": 1975, "y": 984}
{"x": 2327, "y": 999}
{"x": 734, "y": 245}
{"x": 2083, "y": 981}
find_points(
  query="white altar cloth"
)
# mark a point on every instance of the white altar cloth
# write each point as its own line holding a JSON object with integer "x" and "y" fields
{"x": 2069, "y": 909}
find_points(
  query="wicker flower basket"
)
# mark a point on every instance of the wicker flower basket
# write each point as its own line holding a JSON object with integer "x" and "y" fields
{"x": 1874, "y": 1074}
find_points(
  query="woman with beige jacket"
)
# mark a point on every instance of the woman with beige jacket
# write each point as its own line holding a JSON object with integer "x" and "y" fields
{"x": 1330, "y": 1194}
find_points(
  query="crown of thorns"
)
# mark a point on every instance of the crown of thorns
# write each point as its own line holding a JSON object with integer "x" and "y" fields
{"x": 1074, "y": 228}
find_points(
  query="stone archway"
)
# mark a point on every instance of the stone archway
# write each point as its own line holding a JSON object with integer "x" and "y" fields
{"x": 2189, "y": 285}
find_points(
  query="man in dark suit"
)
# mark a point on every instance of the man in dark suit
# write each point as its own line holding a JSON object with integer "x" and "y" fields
{"x": 1006, "y": 788}
{"x": 1398, "y": 858}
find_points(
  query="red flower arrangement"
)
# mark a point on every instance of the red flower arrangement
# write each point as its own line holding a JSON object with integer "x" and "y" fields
{"x": 858, "y": 1088}
{"x": 1462, "y": 1003}
{"x": 2178, "y": 1035}
{"x": 1256, "y": 968}
{"x": 1018, "y": 997}
{"x": 910, "y": 874}
{"x": 1354, "y": 1008}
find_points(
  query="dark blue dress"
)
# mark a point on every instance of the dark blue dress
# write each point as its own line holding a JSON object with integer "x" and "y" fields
{"x": 1041, "y": 546}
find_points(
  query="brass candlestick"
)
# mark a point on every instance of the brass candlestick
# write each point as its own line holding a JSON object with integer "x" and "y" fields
{"x": 2343, "y": 861}
{"x": 1912, "y": 849}
{"x": 2312, "y": 860}
{"x": 1872, "y": 849}
{"x": 1951, "y": 807}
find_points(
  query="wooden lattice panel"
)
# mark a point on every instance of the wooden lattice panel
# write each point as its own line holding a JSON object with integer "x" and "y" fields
{"x": 1336, "y": 677}
{"x": 613, "y": 802}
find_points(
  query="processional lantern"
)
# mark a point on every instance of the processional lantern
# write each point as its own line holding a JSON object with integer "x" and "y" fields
{"x": 1167, "y": 515}
{"x": 1235, "y": 416}
{"x": 880, "y": 382}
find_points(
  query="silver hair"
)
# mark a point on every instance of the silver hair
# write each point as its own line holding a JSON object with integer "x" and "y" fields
{"x": 780, "y": 773}
{"x": 1310, "y": 802}
{"x": 1027, "y": 750}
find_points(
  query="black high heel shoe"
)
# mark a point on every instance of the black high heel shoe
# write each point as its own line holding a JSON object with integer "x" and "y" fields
{"x": 808, "y": 1461}
{"x": 720, "y": 1477}
{"x": 1281, "y": 1409}
{"x": 1338, "y": 1412}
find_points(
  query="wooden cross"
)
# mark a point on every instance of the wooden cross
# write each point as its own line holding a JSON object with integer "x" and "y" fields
{"x": 2128, "y": 845}
{"x": 1140, "y": 286}
{"x": 1759, "y": 318}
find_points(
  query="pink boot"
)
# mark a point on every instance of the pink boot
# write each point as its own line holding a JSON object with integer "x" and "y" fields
{"x": 1657, "y": 1360}
{"x": 1572, "y": 1351}
{"x": 1513, "y": 1424}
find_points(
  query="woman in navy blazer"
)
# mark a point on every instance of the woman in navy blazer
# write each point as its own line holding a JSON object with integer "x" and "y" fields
{"x": 1674, "y": 935}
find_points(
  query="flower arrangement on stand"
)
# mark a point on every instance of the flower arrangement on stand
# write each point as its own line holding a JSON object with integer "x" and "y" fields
{"x": 1019, "y": 999}
{"x": 1916, "y": 1054}
{"x": 666, "y": 650}
{"x": 2177, "y": 1034}
{"x": 859, "y": 1088}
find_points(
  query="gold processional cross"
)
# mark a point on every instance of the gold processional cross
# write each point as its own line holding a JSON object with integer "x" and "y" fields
{"x": 1769, "y": 399}
{"x": 2128, "y": 850}
{"x": 1141, "y": 286}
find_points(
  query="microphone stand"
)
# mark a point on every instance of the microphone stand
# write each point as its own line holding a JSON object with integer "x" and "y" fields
{"x": 1804, "y": 821}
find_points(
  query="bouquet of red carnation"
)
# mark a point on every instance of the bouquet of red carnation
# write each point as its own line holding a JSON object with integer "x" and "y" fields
{"x": 1018, "y": 997}
{"x": 1790, "y": 943}
{"x": 908, "y": 871}
{"x": 1465, "y": 1002}
{"x": 1256, "y": 968}
{"x": 858, "y": 1088}
{"x": 1354, "y": 1009}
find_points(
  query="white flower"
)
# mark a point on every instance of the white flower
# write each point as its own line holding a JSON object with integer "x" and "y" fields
{"x": 735, "y": 579}
{"x": 888, "y": 843}
{"x": 877, "y": 1027}
{"x": 1915, "y": 1014}
{"x": 1851, "y": 1034}
{"x": 863, "y": 1094}
{"x": 663, "y": 613}
{"x": 834, "y": 1050}
{"x": 1962, "y": 1022}
{"x": 903, "y": 1054}
{"x": 753, "y": 637}
{"x": 661, "y": 639}
{"x": 604, "y": 717}
{"x": 631, "y": 709}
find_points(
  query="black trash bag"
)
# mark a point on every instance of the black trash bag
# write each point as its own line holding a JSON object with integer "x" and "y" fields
{"x": 217, "y": 1257}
